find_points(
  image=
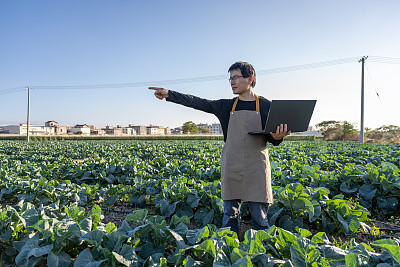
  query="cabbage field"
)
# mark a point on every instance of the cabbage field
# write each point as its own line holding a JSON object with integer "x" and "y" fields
{"x": 157, "y": 203}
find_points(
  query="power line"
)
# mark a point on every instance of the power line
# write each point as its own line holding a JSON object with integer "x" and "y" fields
{"x": 196, "y": 79}
{"x": 12, "y": 90}
{"x": 373, "y": 85}
{"x": 387, "y": 60}
{"x": 375, "y": 59}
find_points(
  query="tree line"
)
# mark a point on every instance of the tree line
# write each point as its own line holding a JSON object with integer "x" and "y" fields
{"x": 332, "y": 131}
{"x": 345, "y": 131}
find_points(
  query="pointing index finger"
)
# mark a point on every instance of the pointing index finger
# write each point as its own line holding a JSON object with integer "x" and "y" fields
{"x": 154, "y": 88}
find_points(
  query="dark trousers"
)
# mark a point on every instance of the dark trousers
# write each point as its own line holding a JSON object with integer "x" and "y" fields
{"x": 258, "y": 213}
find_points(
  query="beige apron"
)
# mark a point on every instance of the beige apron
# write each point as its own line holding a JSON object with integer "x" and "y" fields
{"x": 245, "y": 168}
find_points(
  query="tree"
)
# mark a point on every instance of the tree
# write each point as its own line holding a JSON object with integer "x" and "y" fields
{"x": 386, "y": 134}
{"x": 349, "y": 133}
{"x": 189, "y": 127}
{"x": 330, "y": 129}
{"x": 338, "y": 130}
{"x": 204, "y": 130}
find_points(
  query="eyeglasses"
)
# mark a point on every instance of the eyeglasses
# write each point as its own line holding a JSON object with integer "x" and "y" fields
{"x": 234, "y": 78}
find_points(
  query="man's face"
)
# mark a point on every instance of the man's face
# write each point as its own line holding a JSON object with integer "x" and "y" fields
{"x": 239, "y": 84}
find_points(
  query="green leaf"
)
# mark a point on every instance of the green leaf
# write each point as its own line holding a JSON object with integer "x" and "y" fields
{"x": 354, "y": 224}
{"x": 302, "y": 203}
{"x": 31, "y": 248}
{"x": 343, "y": 222}
{"x": 86, "y": 224}
{"x": 333, "y": 253}
{"x": 346, "y": 189}
{"x": 327, "y": 225}
{"x": 7, "y": 235}
{"x": 185, "y": 211}
{"x": 156, "y": 260}
{"x": 389, "y": 205}
{"x": 179, "y": 240}
{"x": 62, "y": 259}
{"x": 175, "y": 219}
{"x": 94, "y": 237}
{"x": 29, "y": 217}
{"x": 196, "y": 235}
{"x": 221, "y": 260}
{"x": 207, "y": 246}
{"x": 256, "y": 247}
{"x": 320, "y": 237}
{"x": 110, "y": 227}
{"x": 193, "y": 200}
{"x": 304, "y": 252}
{"x": 181, "y": 229}
{"x": 167, "y": 209}
{"x": 40, "y": 251}
{"x": 303, "y": 232}
{"x": 137, "y": 216}
{"x": 204, "y": 217}
{"x": 95, "y": 213}
{"x": 243, "y": 262}
{"x": 275, "y": 216}
{"x": 351, "y": 259}
{"x": 190, "y": 262}
{"x": 390, "y": 166}
{"x": 85, "y": 259}
{"x": 389, "y": 245}
{"x": 237, "y": 254}
{"x": 367, "y": 192}
{"x": 146, "y": 250}
{"x": 127, "y": 256}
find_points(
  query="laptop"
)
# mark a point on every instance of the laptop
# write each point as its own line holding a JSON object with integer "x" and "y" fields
{"x": 295, "y": 113}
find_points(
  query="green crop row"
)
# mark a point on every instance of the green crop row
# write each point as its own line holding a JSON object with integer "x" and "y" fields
{"x": 66, "y": 236}
{"x": 329, "y": 186}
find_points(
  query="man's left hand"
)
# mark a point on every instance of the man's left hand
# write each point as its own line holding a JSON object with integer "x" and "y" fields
{"x": 281, "y": 131}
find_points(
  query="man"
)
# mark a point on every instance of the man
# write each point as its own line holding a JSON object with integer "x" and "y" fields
{"x": 245, "y": 168}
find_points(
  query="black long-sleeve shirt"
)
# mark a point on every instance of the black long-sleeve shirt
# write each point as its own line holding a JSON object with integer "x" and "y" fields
{"x": 221, "y": 109}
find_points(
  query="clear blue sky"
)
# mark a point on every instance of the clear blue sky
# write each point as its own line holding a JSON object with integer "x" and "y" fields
{"x": 60, "y": 43}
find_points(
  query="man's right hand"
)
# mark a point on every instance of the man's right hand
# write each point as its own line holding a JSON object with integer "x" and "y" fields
{"x": 160, "y": 92}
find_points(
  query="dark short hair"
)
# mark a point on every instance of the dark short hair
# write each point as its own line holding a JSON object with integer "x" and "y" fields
{"x": 246, "y": 69}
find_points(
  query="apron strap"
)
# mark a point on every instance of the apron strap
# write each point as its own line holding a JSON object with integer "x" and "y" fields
{"x": 257, "y": 103}
{"x": 234, "y": 104}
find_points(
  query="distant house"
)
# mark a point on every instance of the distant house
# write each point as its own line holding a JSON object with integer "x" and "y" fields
{"x": 214, "y": 128}
{"x": 140, "y": 130}
{"x": 155, "y": 130}
{"x": 58, "y": 129}
{"x": 33, "y": 130}
{"x": 128, "y": 131}
{"x": 51, "y": 124}
{"x": 152, "y": 130}
{"x": 97, "y": 132}
{"x": 110, "y": 130}
{"x": 177, "y": 130}
{"x": 83, "y": 129}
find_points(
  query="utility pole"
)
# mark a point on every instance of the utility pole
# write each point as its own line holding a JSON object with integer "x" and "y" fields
{"x": 362, "y": 60}
{"x": 28, "y": 117}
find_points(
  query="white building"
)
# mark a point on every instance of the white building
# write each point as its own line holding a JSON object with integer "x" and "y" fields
{"x": 128, "y": 131}
{"x": 216, "y": 128}
{"x": 308, "y": 133}
{"x": 167, "y": 130}
{"x": 33, "y": 130}
{"x": 79, "y": 129}
{"x": 177, "y": 130}
{"x": 155, "y": 130}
